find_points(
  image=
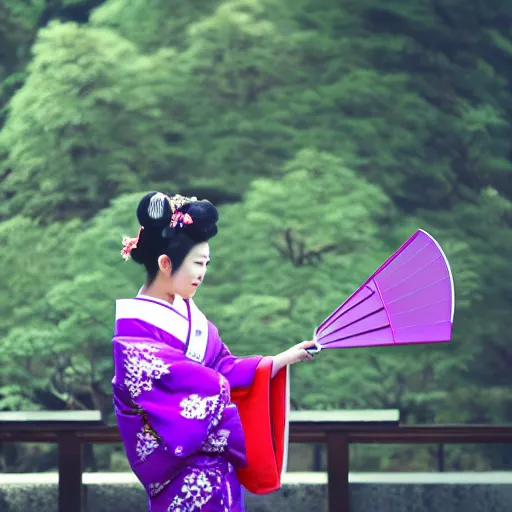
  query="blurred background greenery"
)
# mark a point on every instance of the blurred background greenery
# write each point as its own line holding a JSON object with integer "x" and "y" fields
{"x": 325, "y": 131}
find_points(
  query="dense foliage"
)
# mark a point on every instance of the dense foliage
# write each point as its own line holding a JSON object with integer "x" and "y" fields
{"x": 327, "y": 133}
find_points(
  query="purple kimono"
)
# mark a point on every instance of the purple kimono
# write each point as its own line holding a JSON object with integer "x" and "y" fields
{"x": 173, "y": 376}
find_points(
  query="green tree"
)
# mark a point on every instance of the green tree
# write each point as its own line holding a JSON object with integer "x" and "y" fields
{"x": 152, "y": 24}
{"x": 19, "y": 23}
{"x": 33, "y": 264}
{"x": 228, "y": 60}
{"x": 86, "y": 125}
{"x": 63, "y": 281}
{"x": 485, "y": 226}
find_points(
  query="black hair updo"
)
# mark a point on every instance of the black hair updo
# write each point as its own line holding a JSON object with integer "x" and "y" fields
{"x": 165, "y": 232}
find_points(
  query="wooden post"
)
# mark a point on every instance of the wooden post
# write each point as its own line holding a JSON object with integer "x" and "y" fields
{"x": 440, "y": 457}
{"x": 337, "y": 470}
{"x": 70, "y": 472}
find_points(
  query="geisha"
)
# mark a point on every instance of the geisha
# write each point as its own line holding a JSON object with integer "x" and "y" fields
{"x": 196, "y": 422}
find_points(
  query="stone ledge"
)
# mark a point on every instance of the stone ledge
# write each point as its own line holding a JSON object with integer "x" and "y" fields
{"x": 301, "y": 492}
{"x": 294, "y": 478}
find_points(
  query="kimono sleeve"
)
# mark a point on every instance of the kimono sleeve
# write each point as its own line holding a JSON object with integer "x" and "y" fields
{"x": 263, "y": 406}
{"x": 239, "y": 371}
{"x": 182, "y": 405}
{"x": 264, "y": 411}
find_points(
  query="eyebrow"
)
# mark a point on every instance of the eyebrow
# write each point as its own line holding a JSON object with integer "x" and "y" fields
{"x": 203, "y": 256}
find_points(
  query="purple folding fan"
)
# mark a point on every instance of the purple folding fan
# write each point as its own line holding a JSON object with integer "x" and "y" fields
{"x": 409, "y": 299}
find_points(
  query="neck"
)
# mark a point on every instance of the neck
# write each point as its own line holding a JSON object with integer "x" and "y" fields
{"x": 153, "y": 290}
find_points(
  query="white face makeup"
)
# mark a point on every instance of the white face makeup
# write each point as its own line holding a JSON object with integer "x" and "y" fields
{"x": 190, "y": 275}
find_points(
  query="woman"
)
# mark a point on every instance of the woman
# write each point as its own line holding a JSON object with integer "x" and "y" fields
{"x": 183, "y": 435}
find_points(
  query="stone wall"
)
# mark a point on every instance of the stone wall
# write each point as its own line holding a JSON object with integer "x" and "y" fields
{"x": 302, "y": 492}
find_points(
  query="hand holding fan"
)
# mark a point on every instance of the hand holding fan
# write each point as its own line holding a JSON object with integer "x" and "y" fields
{"x": 409, "y": 299}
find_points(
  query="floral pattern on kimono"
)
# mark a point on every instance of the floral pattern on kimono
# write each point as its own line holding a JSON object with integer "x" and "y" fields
{"x": 156, "y": 487}
{"x": 142, "y": 367}
{"x": 216, "y": 442}
{"x": 147, "y": 443}
{"x": 209, "y": 407}
{"x": 197, "y": 489}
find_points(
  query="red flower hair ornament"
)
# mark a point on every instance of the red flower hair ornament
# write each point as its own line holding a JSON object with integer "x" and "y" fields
{"x": 129, "y": 244}
{"x": 180, "y": 219}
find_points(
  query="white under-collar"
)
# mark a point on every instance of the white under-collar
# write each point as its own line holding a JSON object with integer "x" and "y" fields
{"x": 179, "y": 305}
{"x": 183, "y": 321}
{"x": 154, "y": 312}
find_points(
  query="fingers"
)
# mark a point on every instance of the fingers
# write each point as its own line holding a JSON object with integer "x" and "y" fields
{"x": 299, "y": 353}
{"x": 306, "y": 344}
{"x": 304, "y": 355}
{"x": 307, "y": 356}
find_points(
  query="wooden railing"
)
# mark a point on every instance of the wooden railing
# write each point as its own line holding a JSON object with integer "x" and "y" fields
{"x": 337, "y": 434}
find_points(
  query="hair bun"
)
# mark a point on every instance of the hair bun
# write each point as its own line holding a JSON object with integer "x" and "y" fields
{"x": 204, "y": 216}
{"x": 154, "y": 211}
{"x": 155, "y": 214}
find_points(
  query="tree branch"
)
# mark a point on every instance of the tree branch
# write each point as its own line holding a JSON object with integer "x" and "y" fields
{"x": 295, "y": 249}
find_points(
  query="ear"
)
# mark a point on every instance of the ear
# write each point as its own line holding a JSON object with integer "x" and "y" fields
{"x": 164, "y": 264}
